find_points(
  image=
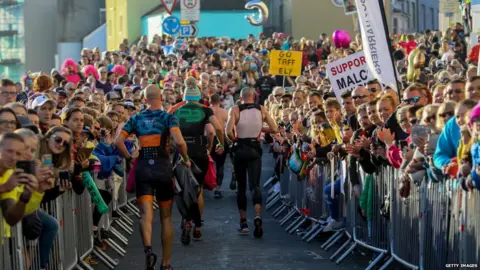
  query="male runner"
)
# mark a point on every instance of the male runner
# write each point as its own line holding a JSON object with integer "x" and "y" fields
{"x": 247, "y": 119}
{"x": 153, "y": 174}
{"x": 193, "y": 117}
{"x": 222, "y": 116}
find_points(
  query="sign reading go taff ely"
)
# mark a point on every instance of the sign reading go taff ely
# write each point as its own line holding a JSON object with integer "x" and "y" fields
{"x": 348, "y": 72}
{"x": 285, "y": 63}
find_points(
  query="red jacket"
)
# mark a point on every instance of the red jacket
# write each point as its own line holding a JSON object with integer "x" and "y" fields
{"x": 408, "y": 46}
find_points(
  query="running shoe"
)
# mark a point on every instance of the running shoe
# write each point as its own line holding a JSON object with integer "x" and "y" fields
{"x": 217, "y": 194}
{"x": 233, "y": 183}
{"x": 150, "y": 260}
{"x": 333, "y": 225}
{"x": 197, "y": 235}
{"x": 258, "y": 232}
{"x": 186, "y": 228}
{"x": 166, "y": 267}
{"x": 243, "y": 228}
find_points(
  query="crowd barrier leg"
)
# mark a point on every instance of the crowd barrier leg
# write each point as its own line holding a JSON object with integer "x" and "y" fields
{"x": 296, "y": 224}
{"x": 333, "y": 239}
{"x": 312, "y": 229}
{"x": 290, "y": 215}
{"x": 104, "y": 258}
{"x": 133, "y": 208}
{"x": 342, "y": 247}
{"x": 349, "y": 250}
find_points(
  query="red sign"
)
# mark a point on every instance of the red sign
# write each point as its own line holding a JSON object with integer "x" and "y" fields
{"x": 169, "y": 4}
{"x": 190, "y": 3}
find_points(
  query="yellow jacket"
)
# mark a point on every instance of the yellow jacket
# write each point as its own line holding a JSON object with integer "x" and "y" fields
{"x": 15, "y": 194}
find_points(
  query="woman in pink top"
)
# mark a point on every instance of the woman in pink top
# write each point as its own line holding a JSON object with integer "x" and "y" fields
{"x": 69, "y": 71}
{"x": 405, "y": 118}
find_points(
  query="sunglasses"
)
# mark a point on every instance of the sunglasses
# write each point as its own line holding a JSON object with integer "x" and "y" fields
{"x": 60, "y": 141}
{"x": 430, "y": 118}
{"x": 359, "y": 97}
{"x": 411, "y": 100}
{"x": 373, "y": 89}
{"x": 446, "y": 115}
{"x": 413, "y": 121}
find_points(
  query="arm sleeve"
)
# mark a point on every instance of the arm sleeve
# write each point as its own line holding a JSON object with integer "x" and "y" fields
{"x": 445, "y": 150}
{"x": 173, "y": 122}
{"x": 51, "y": 194}
{"x": 129, "y": 126}
{"x": 34, "y": 203}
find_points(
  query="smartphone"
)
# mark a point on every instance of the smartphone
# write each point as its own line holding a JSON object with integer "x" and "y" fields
{"x": 47, "y": 160}
{"x": 28, "y": 166}
{"x": 64, "y": 175}
{"x": 420, "y": 131}
{"x": 402, "y": 144}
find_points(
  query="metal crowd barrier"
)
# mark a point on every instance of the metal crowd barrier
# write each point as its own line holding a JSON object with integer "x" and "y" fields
{"x": 75, "y": 239}
{"x": 436, "y": 226}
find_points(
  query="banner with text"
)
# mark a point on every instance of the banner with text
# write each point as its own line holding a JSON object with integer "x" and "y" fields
{"x": 349, "y": 72}
{"x": 375, "y": 46}
{"x": 286, "y": 63}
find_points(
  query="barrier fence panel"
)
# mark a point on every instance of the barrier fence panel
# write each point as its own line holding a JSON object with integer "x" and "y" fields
{"x": 404, "y": 225}
{"x": 470, "y": 227}
{"x": 67, "y": 207}
{"x": 84, "y": 225}
{"x": 435, "y": 218}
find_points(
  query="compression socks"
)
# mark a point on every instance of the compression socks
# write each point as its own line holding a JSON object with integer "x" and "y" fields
{"x": 243, "y": 220}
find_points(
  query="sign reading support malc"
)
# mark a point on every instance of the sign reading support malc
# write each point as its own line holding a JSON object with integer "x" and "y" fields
{"x": 286, "y": 63}
{"x": 348, "y": 73}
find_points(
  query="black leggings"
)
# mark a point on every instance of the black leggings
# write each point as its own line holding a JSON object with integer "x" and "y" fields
{"x": 252, "y": 168}
{"x": 219, "y": 164}
{"x": 107, "y": 198}
{"x": 194, "y": 211}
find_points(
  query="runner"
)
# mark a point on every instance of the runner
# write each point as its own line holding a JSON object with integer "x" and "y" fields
{"x": 193, "y": 117}
{"x": 222, "y": 116}
{"x": 247, "y": 119}
{"x": 153, "y": 173}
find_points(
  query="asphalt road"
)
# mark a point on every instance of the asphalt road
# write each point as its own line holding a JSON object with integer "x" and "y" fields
{"x": 223, "y": 248}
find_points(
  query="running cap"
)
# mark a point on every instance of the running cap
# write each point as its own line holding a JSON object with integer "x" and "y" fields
{"x": 41, "y": 100}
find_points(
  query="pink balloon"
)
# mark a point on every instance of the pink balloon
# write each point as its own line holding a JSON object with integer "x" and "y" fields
{"x": 341, "y": 39}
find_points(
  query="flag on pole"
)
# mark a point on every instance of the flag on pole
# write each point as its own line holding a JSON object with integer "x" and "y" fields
{"x": 376, "y": 44}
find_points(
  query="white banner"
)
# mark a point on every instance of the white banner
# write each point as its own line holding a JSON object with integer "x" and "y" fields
{"x": 375, "y": 46}
{"x": 348, "y": 72}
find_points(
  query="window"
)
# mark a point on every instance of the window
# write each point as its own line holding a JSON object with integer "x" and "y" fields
{"x": 408, "y": 12}
{"x": 432, "y": 15}
{"x": 424, "y": 14}
{"x": 395, "y": 25}
{"x": 414, "y": 17}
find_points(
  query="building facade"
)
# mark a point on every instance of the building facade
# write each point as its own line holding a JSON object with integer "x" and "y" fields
{"x": 39, "y": 35}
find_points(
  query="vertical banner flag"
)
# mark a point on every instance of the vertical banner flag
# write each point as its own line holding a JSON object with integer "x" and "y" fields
{"x": 374, "y": 40}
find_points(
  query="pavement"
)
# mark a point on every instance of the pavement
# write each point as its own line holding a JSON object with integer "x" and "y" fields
{"x": 223, "y": 248}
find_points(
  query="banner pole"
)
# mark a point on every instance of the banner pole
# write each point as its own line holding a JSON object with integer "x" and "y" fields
{"x": 387, "y": 36}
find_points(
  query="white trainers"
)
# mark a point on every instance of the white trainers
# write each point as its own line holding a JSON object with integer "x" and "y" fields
{"x": 333, "y": 225}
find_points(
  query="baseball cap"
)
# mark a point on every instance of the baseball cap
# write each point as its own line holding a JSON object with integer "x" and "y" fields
{"x": 216, "y": 73}
{"x": 87, "y": 131}
{"x": 129, "y": 104}
{"x": 26, "y": 123}
{"x": 41, "y": 100}
{"x": 112, "y": 95}
{"x": 62, "y": 93}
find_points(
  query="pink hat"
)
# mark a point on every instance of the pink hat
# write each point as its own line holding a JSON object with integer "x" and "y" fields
{"x": 474, "y": 114}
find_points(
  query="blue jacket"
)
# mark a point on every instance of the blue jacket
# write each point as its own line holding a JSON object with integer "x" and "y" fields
{"x": 109, "y": 157}
{"x": 475, "y": 151}
{"x": 447, "y": 144}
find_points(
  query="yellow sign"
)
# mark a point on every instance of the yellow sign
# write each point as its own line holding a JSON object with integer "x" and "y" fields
{"x": 286, "y": 63}
{"x": 182, "y": 22}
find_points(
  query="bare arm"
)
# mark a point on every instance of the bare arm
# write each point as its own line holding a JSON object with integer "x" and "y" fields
{"x": 13, "y": 211}
{"x": 180, "y": 143}
{"x": 210, "y": 132}
{"x": 218, "y": 129}
{"x": 269, "y": 120}
{"x": 232, "y": 119}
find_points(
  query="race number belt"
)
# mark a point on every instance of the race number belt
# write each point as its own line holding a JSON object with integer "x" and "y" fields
{"x": 151, "y": 153}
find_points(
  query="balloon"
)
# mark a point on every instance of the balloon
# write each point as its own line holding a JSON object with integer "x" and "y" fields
{"x": 262, "y": 12}
{"x": 341, "y": 39}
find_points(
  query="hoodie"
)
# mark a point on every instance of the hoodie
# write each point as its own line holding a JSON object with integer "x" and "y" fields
{"x": 447, "y": 144}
